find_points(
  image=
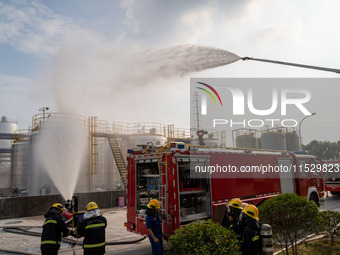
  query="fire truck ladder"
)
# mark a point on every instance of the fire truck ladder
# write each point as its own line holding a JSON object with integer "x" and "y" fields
{"x": 117, "y": 154}
{"x": 163, "y": 186}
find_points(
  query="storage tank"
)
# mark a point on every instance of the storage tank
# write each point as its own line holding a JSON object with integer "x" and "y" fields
{"x": 7, "y": 129}
{"x": 273, "y": 141}
{"x": 292, "y": 141}
{"x": 259, "y": 143}
{"x": 136, "y": 139}
{"x": 19, "y": 168}
{"x": 246, "y": 141}
{"x": 38, "y": 181}
{"x": 106, "y": 167}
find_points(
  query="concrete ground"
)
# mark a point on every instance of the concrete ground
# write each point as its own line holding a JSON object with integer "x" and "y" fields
{"x": 332, "y": 203}
{"x": 114, "y": 232}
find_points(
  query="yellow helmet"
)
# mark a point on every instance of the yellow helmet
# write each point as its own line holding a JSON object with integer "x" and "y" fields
{"x": 154, "y": 204}
{"x": 91, "y": 206}
{"x": 236, "y": 203}
{"x": 251, "y": 211}
{"x": 58, "y": 206}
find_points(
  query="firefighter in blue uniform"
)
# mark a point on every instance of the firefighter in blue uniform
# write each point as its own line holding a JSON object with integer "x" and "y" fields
{"x": 154, "y": 227}
{"x": 53, "y": 229}
{"x": 251, "y": 244}
{"x": 93, "y": 227}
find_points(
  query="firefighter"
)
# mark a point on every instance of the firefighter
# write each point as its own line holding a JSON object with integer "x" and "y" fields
{"x": 154, "y": 227}
{"x": 251, "y": 244}
{"x": 54, "y": 227}
{"x": 232, "y": 215}
{"x": 93, "y": 228}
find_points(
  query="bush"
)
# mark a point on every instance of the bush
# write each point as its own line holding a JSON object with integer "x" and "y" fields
{"x": 331, "y": 224}
{"x": 203, "y": 237}
{"x": 291, "y": 217}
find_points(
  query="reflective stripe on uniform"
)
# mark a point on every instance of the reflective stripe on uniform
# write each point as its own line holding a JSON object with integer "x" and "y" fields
{"x": 50, "y": 221}
{"x": 95, "y": 225}
{"x": 49, "y": 242}
{"x": 94, "y": 245}
{"x": 255, "y": 238}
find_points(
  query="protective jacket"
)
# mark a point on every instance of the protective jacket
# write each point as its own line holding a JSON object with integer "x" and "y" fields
{"x": 234, "y": 225}
{"x": 251, "y": 238}
{"x": 94, "y": 231}
{"x": 53, "y": 229}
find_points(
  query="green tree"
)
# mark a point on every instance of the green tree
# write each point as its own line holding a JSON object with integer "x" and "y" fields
{"x": 331, "y": 224}
{"x": 324, "y": 150}
{"x": 203, "y": 237}
{"x": 291, "y": 217}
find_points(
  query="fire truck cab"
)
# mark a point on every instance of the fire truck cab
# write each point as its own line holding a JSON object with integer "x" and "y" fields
{"x": 332, "y": 177}
{"x": 183, "y": 180}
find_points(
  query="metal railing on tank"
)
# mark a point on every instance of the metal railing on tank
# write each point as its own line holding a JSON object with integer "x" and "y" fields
{"x": 21, "y": 135}
{"x": 42, "y": 119}
{"x": 141, "y": 128}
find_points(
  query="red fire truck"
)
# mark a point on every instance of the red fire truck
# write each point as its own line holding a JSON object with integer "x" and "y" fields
{"x": 332, "y": 177}
{"x": 187, "y": 184}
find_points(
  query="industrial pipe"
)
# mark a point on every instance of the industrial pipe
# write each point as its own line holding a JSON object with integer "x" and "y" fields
{"x": 293, "y": 64}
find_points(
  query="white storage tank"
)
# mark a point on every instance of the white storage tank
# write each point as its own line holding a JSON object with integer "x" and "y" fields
{"x": 246, "y": 141}
{"x": 293, "y": 141}
{"x": 136, "y": 139}
{"x": 108, "y": 176}
{"x": 259, "y": 143}
{"x": 19, "y": 167}
{"x": 38, "y": 181}
{"x": 7, "y": 129}
{"x": 273, "y": 141}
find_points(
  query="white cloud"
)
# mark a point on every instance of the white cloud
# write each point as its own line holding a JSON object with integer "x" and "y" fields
{"x": 13, "y": 98}
{"x": 10, "y": 84}
{"x": 33, "y": 28}
{"x": 283, "y": 30}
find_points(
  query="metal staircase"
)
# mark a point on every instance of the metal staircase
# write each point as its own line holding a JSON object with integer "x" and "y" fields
{"x": 100, "y": 129}
{"x": 117, "y": 154}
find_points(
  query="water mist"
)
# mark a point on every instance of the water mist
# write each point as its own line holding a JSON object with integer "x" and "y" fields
{"x": 60, "y": 151}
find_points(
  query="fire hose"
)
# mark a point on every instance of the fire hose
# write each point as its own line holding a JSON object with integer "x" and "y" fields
{"x": 24, "y": 230}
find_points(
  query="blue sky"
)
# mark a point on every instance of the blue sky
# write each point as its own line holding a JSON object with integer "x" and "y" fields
{"x": 72, "y": 55}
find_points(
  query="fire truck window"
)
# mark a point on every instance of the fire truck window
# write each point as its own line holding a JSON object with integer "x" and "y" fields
{"x": 316, "y": 162}
{"x": 147, "y": 184}
{"x": 303, "y": 171}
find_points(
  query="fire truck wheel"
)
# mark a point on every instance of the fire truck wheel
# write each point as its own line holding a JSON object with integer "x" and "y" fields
{"x": 315, "y": 199}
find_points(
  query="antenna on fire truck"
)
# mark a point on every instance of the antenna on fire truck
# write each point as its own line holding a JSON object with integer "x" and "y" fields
{"x": 197, "y": 104}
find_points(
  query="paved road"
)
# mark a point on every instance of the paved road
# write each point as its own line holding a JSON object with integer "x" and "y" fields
{"x": 332, "y": 203}
{"x": 115, "y": 232}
